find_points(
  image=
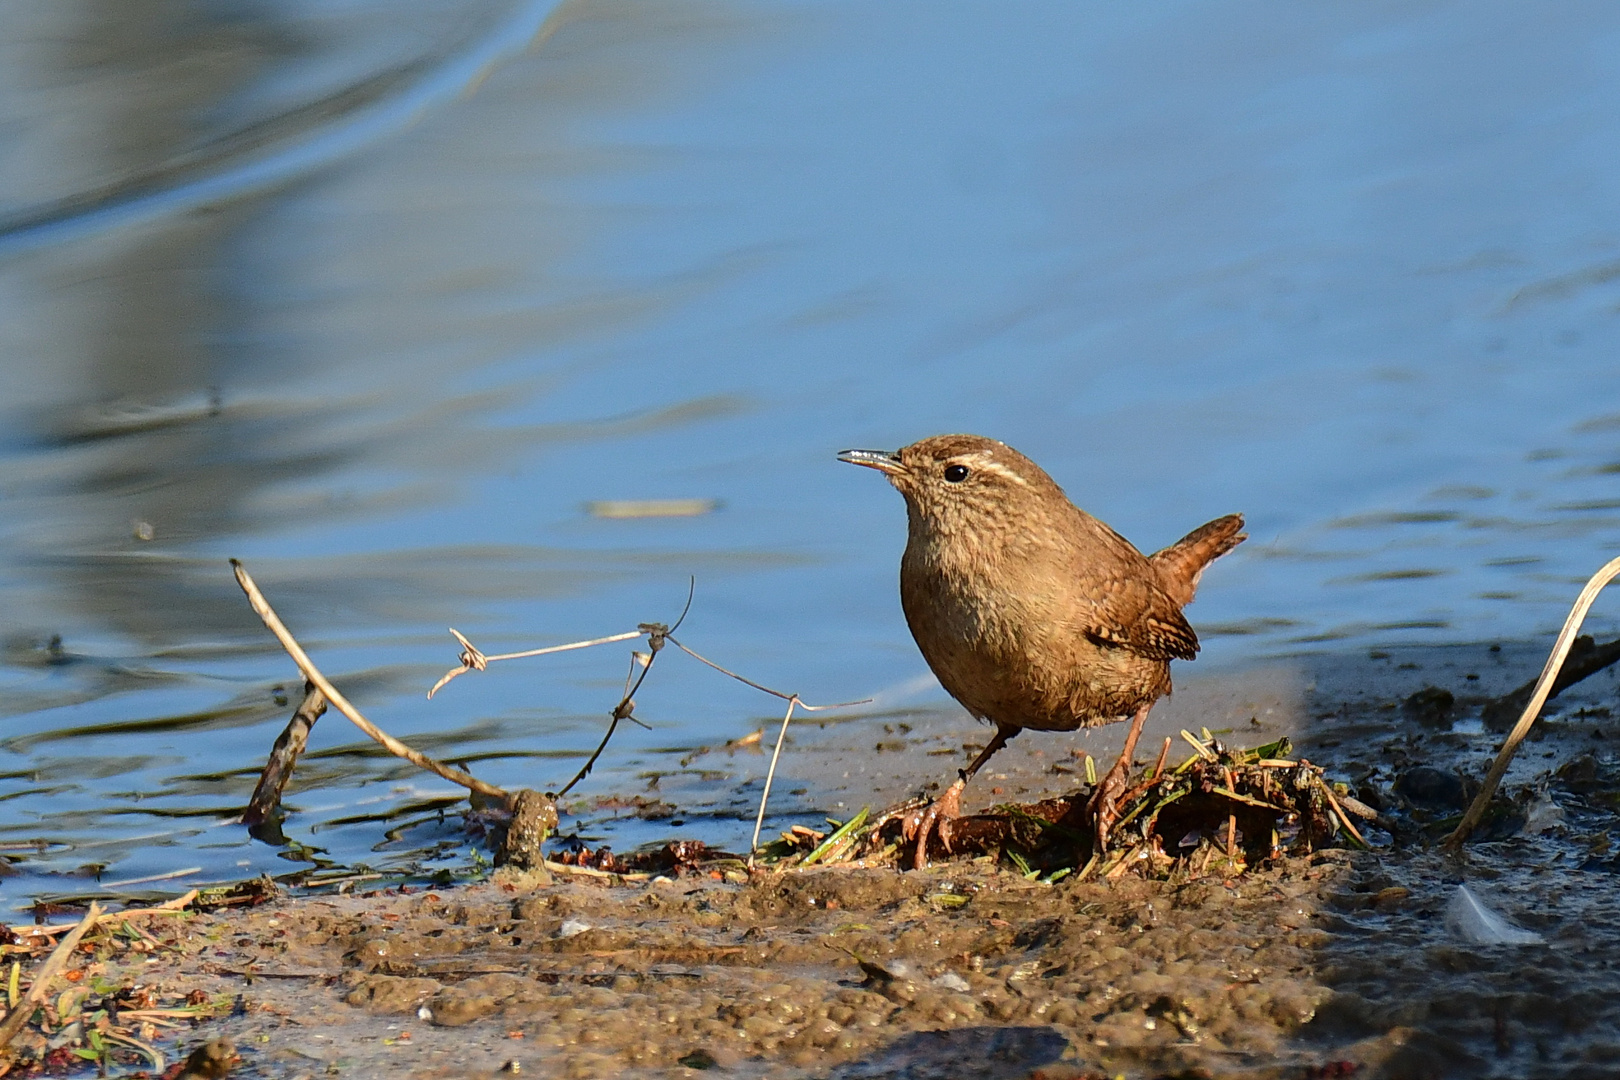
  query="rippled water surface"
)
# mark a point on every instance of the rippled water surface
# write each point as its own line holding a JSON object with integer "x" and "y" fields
{"x": 388, "y": 300}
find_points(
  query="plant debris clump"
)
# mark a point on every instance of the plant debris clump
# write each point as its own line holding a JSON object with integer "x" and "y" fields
{"x": 94, "y": 994}
{"x": 1219, "y": 811}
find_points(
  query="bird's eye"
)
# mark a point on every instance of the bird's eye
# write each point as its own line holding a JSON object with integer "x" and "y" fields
{"x": 955, "y": 474}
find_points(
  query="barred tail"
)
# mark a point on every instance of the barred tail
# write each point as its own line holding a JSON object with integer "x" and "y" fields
{"x": 1182, "y": 563}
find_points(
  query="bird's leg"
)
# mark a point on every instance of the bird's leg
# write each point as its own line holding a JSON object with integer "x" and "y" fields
{"x": 949, "y": 805}
{"x": 1104, "y": 804}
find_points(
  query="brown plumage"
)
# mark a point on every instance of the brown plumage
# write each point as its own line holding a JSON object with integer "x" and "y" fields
{"x": 1031, "y": 612}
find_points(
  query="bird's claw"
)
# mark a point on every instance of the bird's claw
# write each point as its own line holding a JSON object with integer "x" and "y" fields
{"x": 1104, "y": 806}
{"x": 935, "y": 818}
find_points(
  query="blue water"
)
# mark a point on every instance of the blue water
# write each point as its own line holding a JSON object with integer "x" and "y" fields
{"x": 377, "y": 298}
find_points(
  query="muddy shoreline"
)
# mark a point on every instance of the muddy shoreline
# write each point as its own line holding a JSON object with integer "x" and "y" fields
{"x": 1339, "y": 963}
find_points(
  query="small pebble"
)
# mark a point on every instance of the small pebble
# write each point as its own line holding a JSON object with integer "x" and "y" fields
{"x": 572, "y": 927}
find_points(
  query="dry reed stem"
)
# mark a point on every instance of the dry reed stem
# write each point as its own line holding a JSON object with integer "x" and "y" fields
{"x": 1203, "y": 751}
{"x": 341, "y": 703}
{"x": 1549, "y": 674}
{"x": 38, "y": 991}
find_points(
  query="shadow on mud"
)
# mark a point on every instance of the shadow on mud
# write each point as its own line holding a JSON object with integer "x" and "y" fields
{"x": 980, "y": 1053}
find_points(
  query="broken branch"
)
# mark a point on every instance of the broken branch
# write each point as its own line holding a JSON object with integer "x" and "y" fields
{"x": 283, "y": 756}
{"x": 341, "y": 703}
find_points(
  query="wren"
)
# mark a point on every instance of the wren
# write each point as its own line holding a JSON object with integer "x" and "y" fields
{"x": 1031, "y": 612}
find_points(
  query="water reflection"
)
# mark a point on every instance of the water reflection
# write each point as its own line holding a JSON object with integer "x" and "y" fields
{"x": 1310, "y": 267}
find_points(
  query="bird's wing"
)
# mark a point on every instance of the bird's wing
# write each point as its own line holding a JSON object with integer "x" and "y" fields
{"x": 1134, "y": 614}
{"x": 1121, "y": 599}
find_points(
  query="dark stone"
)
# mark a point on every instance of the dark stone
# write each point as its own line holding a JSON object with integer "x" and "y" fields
{"x": 1433, "y": 790}
{"x": 1580, "y": 775}
{"x": 1431, "y": 707}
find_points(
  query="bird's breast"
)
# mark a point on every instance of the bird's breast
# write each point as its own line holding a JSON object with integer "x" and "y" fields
{"x": 1002, "y": 639}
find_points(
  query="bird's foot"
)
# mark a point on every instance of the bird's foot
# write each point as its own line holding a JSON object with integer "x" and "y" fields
{"x": 1103, "y": 806}
{"x": 936, "y": 817}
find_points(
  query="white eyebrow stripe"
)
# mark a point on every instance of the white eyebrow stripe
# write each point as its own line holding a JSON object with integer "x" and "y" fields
{"x": 984, "y": 461}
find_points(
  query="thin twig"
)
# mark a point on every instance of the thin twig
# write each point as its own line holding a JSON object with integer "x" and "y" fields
{"x": 38, "y": 991}
{"x": 474, "y": 660}
{"x": 764, "y": 689}
{"x": 341, "y": 703}
{"x": 770, "y": 774}
{"x": 794, "y": 702}
{"x": 1164, "y": 755}
{"x": 175, "y": 906}
{"x": 1549, "y": 673}
{"x": 1231, "y": 819}
{"x": 1142, "y": 788}
{"x": 627, "y": 705}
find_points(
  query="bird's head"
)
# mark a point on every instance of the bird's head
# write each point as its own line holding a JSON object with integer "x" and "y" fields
{"x": 953, "y": 483}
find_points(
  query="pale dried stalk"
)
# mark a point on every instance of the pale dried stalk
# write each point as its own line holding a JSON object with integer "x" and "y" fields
{"x": 39, "y": 990}
{"x": 591, "y": 871}
{"x": 770, "y": 774}
{"x": 153, "y": 1054}
{"x": 341, "y": 703}
{"x": 168, "y": 907}
{"x": 1549, "y": 674}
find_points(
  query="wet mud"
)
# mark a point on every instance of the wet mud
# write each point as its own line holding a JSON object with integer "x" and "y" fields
{"x": 1337, "y": 963}
{"x": 964, "y": 969}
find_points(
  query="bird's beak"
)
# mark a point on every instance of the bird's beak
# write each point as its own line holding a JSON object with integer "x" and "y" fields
{"x": 881, "y": 460}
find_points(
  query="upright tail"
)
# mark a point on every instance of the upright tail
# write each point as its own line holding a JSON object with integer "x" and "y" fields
{"x": 1182, "y": 563}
